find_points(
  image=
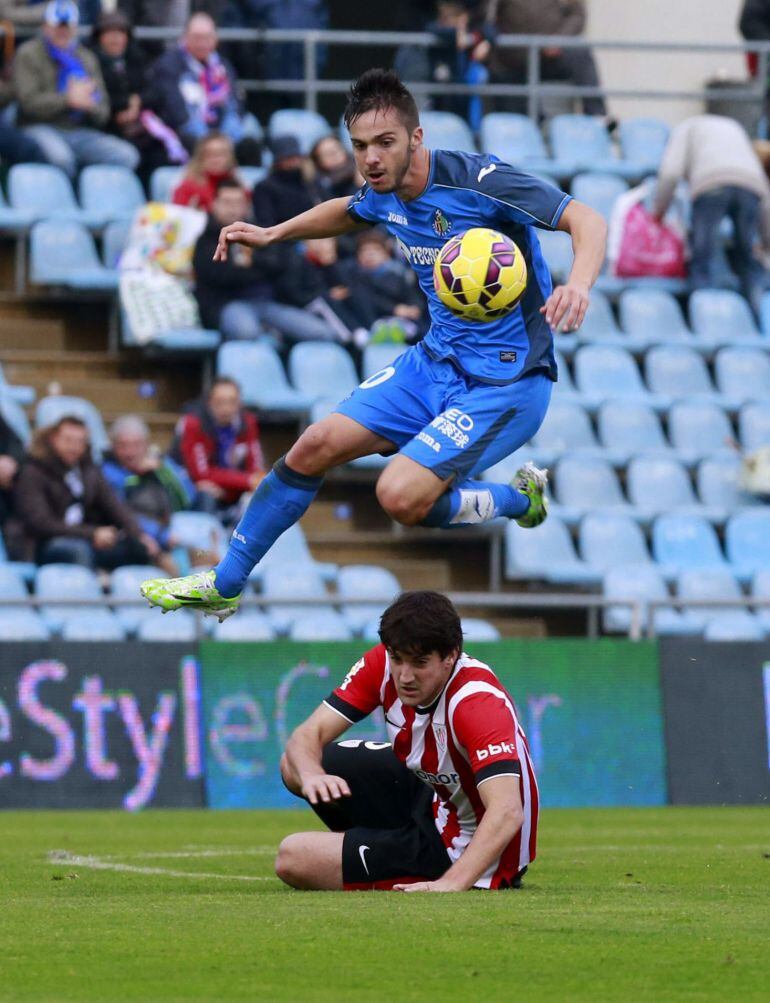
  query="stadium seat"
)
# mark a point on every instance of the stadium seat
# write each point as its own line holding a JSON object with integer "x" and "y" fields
{"x": 586, "y": 484}
{"x": 63, "y": 253}
{"x": 582, "y": 143}
{"x": 124, "y": 584}
{"x": 65, "y": 581}
{"x": 699, "y": 428}
{"x": 504, "y": 470}
{"x": 114, "y": 241}
{"x": 706, "y": 584}
{"x": 163, "y": 181}
{"x": 15, "y": 219}
{"x": 15, "y": 416}
{"x": 443, "y": 130}
{"x": 252, "y": 175}
{"x": 18, "y": 392}
{"x": 760, "y": 589}
{"x": 681, "y": 541}
{"x": 599, "y": 191}
{"x": 260, "y": 373}
{"x": 515, "y": 139}
{"x": 475, "y": 629}
{"x": 362, "y": 581}
{"x": 247, "y": 625}
{"x": 606, "y": 540}
{"x": 734, "y": 625}
{"x": 565, "y": 390}
{"x": 747, "y": 541}
{"x": 630, "y": 428}
{"x": 653, "y": 316}
{"x": 281, "y": 581}
{"x": 11, "y": 583}
{"x": 113, "y": 191}
{"x": 92, "y": 625}
{"x": 322, "y": 626}
{"x": 742, "y": 374}
{"x": 379, "y": 356}
{"x": 718, "y": 480}
{"x": 643, "y": 582}
{"x": 604, "y": 372}
{"x": 198, "y": 531}
{"x": 175, "y": 343}
{"x": 546, "y": 553}
{"x": 291, "y": 549}
{"x": 25, "y": 570}
{"x": 566, "y": 428}
{"x": 721, "y": 317}
{"x": 557, "y": 252}
{"x": 642, "y": 142}
{"x": 179, "y": 628}
{"x": 322, "y": 369}
{"x": 46, "y": 191}
{"x": 658, "y": 484}
{"x": 676, "y": 371}
{"x": 50, "y": 409}
{"x": 20, "y": 624}
{"x": 754, "y": 425}
{"x": 599, "y": 324}
{"x": 306, "y": 126}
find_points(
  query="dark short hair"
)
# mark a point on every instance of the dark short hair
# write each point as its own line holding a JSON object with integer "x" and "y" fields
{"x": 421, "y": 622}
{"x": 225, "y": 183}
{"x": 222, "y": 381}
{"x": 378, "y": 90}
{"x": 67, "y": 419}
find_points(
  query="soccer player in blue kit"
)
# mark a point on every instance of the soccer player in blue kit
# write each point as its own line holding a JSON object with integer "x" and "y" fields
{"x": 466, "y": 396}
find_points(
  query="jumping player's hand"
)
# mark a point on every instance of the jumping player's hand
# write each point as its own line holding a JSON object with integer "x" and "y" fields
{"x": 566, "y": 307}
{"x": 324, "y": 787}
{"x": 240, "y": 233}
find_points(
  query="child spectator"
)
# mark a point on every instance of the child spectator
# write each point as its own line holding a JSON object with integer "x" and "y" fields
{"x": 212, "y": 161}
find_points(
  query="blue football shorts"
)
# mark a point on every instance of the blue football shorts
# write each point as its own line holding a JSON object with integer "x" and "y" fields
{"x": 445, "y": 420}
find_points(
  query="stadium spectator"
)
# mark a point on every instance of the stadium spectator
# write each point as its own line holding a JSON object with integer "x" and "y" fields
{"x": 68, "y": 510}
{"x": 237, "y": 296}
{"x": 11, "y": 455}
{"x": 212, "y": 162}
{"x": 726, "y": 179}
{"x": 218, "y": 442}
{"x": 335, "y": 168}
{"x": 544, "y": 17}
{"x": 417, "y": 815}
{"x": 63, "y": 104}
{"x": 286, "y": 191}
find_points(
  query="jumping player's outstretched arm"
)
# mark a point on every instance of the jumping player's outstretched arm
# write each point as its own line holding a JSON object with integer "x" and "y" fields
{"x": 566, "y": 307}
{"x": 327, "y": 219}
{"x": 301, "y": 764}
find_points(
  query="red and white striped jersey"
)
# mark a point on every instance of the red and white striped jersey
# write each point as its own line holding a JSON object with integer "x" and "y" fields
{"x": 468, "y": 735}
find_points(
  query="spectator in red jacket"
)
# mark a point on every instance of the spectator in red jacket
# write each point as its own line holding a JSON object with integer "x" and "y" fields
{"x": 219, "y": 445}
{"x": 213, "y": 161}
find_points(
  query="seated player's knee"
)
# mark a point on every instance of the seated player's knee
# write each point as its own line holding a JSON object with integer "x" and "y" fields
{"x": 290, "y": 863}
{"x": 290, "y": 781}
{"x": 401, "y": 502}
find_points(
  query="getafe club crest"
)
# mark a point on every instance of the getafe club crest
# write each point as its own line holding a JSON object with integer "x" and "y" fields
{"x": 441, "y": 224}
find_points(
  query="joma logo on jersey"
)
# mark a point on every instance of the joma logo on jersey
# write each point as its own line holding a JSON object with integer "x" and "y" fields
{"x": 495, "y": 750}
{"x": 396, "y": 217}
{"x": 438, "y": 778}
{"x": 441, "y": 225}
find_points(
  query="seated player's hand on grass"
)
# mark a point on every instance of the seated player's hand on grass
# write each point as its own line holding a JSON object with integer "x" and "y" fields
{"x": 566, "y": 307}
{"x": 440, "y": 885}
{"x": 240, "y": 233}
{"x": 323, "y": 787}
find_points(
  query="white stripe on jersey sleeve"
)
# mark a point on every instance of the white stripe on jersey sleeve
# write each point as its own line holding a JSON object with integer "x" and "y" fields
{"x": 343, "y": 716}
{"x": 476, "y": 686}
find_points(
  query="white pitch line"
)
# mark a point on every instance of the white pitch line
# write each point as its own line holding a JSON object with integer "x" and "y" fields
{"x": 101, "y": 864}
{"x": 255, "y": 851}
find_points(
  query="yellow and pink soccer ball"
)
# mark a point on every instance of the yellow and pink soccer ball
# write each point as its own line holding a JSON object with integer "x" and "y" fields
{"x": 480, "y": 275}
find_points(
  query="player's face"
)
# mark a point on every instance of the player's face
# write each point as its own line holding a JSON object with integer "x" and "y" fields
{"x": 383, "y": 148}
{"x": 420, "y": 678}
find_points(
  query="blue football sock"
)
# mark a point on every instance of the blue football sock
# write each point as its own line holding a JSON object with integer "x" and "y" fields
{"x": 281, "y": 499}
{"x": 472, "y": 502}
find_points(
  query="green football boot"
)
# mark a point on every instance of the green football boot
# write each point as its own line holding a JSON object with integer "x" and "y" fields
{"x": 196, "y": 591}
{"x": 532, "y": 482}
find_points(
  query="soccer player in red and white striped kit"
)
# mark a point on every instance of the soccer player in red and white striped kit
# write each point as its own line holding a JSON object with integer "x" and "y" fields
{"x": 450, "y": 804}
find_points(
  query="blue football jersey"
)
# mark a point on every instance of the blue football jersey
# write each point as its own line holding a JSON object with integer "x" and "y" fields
{"x": 466, "y": 190}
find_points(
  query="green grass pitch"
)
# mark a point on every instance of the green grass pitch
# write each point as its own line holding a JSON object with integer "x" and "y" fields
{"x": 627, "y": 905}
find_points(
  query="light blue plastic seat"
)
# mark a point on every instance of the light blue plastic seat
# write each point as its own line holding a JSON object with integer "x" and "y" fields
{"x": 25, "y": 570}
{"x": 706, "y": 584}
{"x": 178, "y": 627}
{"x": 718, "y": 480}
{"x": 247, "y": 625}
{"x": 722, "y": 317}
{"x": 629, "y": 428}
{"x": 289, "y": 582}
{"x": 699, "y": 428}
{"x": 92, "y": 625}
{"x": 742, "y": 374}
{"x": 252, "y": 175}
{"x": 754, "y": 425}
{"x": 380, "y": 356}
{"x": 565, "y": 390}
{"x": 599, "y": 323}
{"x": 681, "y": 541}
{"x": 600, "y": 191}
{"x": 14, "y": 415}
{"x": 642, "y": 142}
{"x": 66, "y": 581}
{"x": 179, "y": 342}
{"x": 163, "y": 181}
{"x": 305, "y": 125}
{"x": 113, "y": 191}
{"x": 605, "y": 372}
{"x": 14, "y": 220}
{"x": 653, "y": 316}
{"x": 582, "y": 143}
{"x": 124, "y": 584}
{"x": 291, "y": 550}
{"x": 657, "y": 484}
{"x": 760, "y": 589}
{"x": 47, "y": 192}
{"x": 475, "y": 629}
{"x": 362, "y": 581}
{"x": 586, "y": 484}
{"x": 198, "y": 531}
{"x": 50, "y": 409}
{"x": 322, "y": 369}
{"x": 643, "y": 582}
{"x": 259, "y": 371}
{"x": 323, "y": 626}
{"x": 607, "y": 540}
{"x": 504, "y": 470}
{"x": 443, "y": 130}
{"x": 546, "y": 553}
{"x": 11, "y": 583}
{"x": 557, "y": 251}
{"x": 734, "y": 625}
{"x": 63, "y": 253}
{"x": 515, "y": 139}
{"x": 114, "y": 240}
{"x": 747, "y": 541}
{"x": 20, "y": 624}
{"x": 565, "y": 429}
{"x": 676, "y": 371}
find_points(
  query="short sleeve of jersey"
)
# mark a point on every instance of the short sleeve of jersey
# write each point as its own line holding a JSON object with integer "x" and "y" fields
{"x": 361, "y": 206}
{"x": 520, "y": 197}
{"x": 484, "y": 726}
{"x": 359, "y": 692}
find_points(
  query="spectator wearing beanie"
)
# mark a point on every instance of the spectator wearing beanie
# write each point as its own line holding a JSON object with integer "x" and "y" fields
{"x": 286, "y": 191}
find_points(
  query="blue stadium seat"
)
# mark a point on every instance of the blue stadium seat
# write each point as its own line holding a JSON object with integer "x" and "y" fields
{"x": 721, "y": 317}
{"x": 113, "y": 191}
{"x": 444, "y": 130}
{"x": 718, "y": 480}
{"x": 176, "y": 343}
{"x": 19, "y": 624}
{"x": 734, "y": 625}
{"x": 179, "y": 628}
{"x": 475, "y": 629}
{"x": 699, "y": 428}
{"x": 605, "y": 372}
{"x": 291, "y": 549}
{"x": 504, "y": 471}
{"x": 46, "y": 191}
{"x": 600, "y": 191}
{"x": 11, "y": 583}
{"x": 322, "y": 369}
{"x": 557, "y": 251}
{"x": 582, "y": 143}
{"x": 198, "y": 531}
{"x": 760, "y": 589}
{"x": 114, "y": 240}
{"x": 247, "y": 625}
{"x": 653, "y": 316}
{"x": 685, "y": 541}
{"x": 565, "y": 429}
{"x": 754, "y": 425}
{"x": 607, "y": 540}
{"x": 676, "y": 371}
{"x": 630, "y": 428}
{"x": 586, "y": 484}
{"x": 50, "y": 409}
{"x": 706, "y": 584}
{"x": 124, "y": 584}
{"x": 546, "y": 553}
{"x": 599, "y": 324}
{"x": 323, "y": 626}
{"x": 252, "y": 175}
{"x": 643, "y": 582}
{"x": 642, "y": 142}
{"x": 92, "y": 625}
{"x": 280, "y": 581}
{"x": 25, "y": 570}
{"x": 362, "y": 581}
{"x": 63, "y": 253}
{"x": 15, "y": 219}
{"x": 307, "y": 126}
{"x": 742, "y": 374}
{"x": 658, "y": 484}
{"x": 261, "y": 376}
{"x": 747, "y": 541}
{"x": 14, "y": 415}
{"x": 515, "y": 139}
{"x": 379, "y": 356}
{"x": 65, "y": 581}
{"x": 163, "y": 181}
